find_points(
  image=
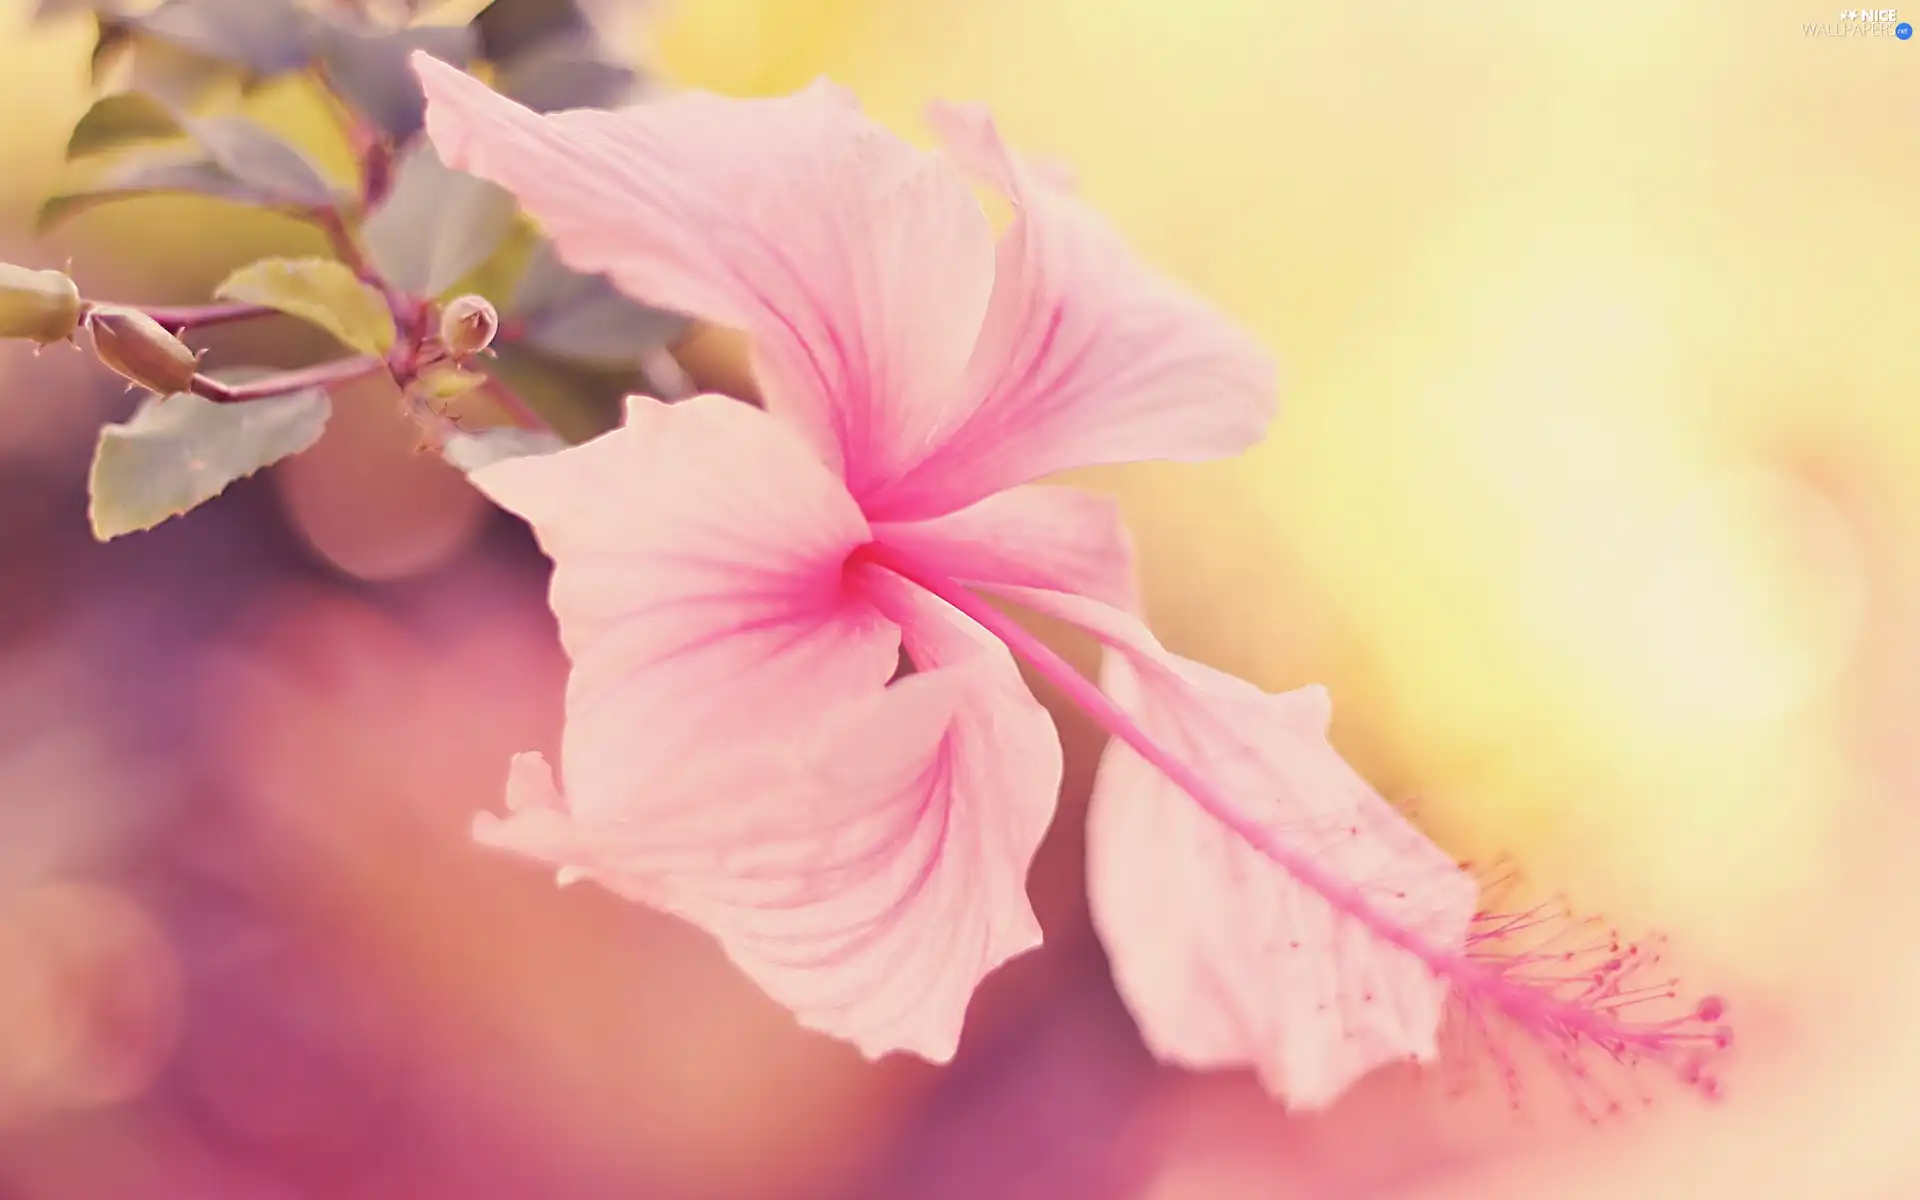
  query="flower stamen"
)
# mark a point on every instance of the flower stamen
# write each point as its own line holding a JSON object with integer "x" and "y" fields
{"x": 1570, "y": 985}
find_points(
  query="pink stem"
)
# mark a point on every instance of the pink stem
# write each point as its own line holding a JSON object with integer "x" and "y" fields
{"x": 516, "y": 406}
{"x": 326, "y": 374}
{"x": 348, "y": 250}
{"x": 1533, "y": 1006}
{"x": 200, "y": 316}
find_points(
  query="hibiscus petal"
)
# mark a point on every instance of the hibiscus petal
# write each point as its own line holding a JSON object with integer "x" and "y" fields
{"x": 540, "y": 826}
{"x": 867, "y": 876}
{"x": 699, "y": 583}
{"x": 1002, "y": 757}
{"x": 1057, "y": 538}
{"x": 859, "y": 266}
{"x": 1085, "y": 357}
{"x": 1225, "y": 956}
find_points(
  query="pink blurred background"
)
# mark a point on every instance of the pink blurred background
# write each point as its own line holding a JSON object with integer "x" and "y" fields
{"x": 1594, "y": 503}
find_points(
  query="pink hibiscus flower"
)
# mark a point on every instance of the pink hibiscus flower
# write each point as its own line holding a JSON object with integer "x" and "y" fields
{"x": 735, "y": 587}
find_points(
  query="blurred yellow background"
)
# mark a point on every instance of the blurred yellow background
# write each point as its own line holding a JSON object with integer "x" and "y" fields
{"x": 1596, "y": 494}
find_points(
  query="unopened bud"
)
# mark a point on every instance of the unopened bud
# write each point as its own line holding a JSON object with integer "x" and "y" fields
{"x": 138, "y": 348}
{"x": 41, "y": 305}
{"x": 467, "y": 326}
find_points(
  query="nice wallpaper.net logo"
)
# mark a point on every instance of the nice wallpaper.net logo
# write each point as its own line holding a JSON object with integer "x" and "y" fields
{"x": 1862, "y": 22}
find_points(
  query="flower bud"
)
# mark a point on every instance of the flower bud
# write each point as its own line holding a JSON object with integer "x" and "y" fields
{"x": 467, "y": 326}
{"x": 135, "y": 346}
{"x": 41, "y": 305}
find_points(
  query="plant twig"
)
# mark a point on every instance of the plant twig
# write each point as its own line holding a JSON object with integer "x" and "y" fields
{"x": 516, "y": 406}
{"x": 326, "y": 374}
{"x": 345, "y": 245}
{"x": 180, "y": 318}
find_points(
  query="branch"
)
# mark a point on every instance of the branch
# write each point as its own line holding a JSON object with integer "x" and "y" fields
{"x": 326, "y": 374}
{"x": 180, "y": 318}
{"x": 515, "y": 406}
{"x": 344, "y": 244}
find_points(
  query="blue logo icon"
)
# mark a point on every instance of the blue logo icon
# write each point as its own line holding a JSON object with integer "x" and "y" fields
{"x": 1903, "y": 31}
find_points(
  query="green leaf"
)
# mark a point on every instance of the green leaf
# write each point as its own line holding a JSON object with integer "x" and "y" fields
{"x": 159, "y": 68}
{"x": 509, "y": 28}
{"x": 264, "y": 37}
{"x": 109, "y": 41}
{"x": 238, "y": 160}
{"x": 180, "y": 451}
{"x": 48, "y": 9}
{"x": 551, "y": 57}
{"x": 500, "y": 274}
{"x": 471, "y": 451}
{"x": 568, "y": 74}
{"x": 585, "y": 317}
{"x": 436, "y": 226}
{"x": 262, "y": 159}
{"x": 580, "y": 401}
{"x": 369, "y": 69}
{"x": 249, "y": 152}
{"x": 440, "y": 384}
{"x": 182, "y": 50}
{"x": 119, "y": 121}
{"x": 177, "y": 60}
{"x": 194, "y": 173}
{"x": 320, "y": 291}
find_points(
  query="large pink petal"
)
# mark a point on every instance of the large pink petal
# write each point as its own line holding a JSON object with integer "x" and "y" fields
{"x": 859, "y": 266}
{"x": 1058, "y": 538}
{"x": 699, "y": 584}
{"x": 1225, "y": 956}
{"x": 866, "y": 875}
{"x": 1001, "y": 765}
{"x": 1086, "y": 356}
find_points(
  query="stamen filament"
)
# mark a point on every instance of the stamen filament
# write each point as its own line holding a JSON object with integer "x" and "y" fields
{"x": 1088, "y": 697}
{"x": 1477, "y": 979}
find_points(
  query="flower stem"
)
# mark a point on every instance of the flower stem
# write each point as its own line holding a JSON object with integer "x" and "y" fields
{"x": 326, "y": 374}
{"x": 178, "y": 319}
{"x": 1086, "y": 696}
{"x": 515, "y": 406}
{"x": 347, "y": 248}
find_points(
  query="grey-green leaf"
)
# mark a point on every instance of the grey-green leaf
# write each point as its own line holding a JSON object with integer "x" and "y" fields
{"x": 262, "y": 159}
{"x": 250, "y": 153}
{"x": 48, "y": 9}
{"x": 509, "y": 28}
{"x": 369, "y": 69}
{"x": 179, "y": 451}
{"x": 569, "y": 73}
{"x": 585, "y": 317}
{"x": 437, "y": 224}
{"x": 578, "y": 399}
{"x": 266, "y": 37}
{"x": 119, "y": 121}
{"x": 320, "y": 291}
{"x": 471, "y": 451}
{"x": 195, "y": 174}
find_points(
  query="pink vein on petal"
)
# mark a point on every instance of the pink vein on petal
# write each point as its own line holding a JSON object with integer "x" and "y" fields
{"x": 1380, "y": 926}
{"x": 1085, "y": 356}
{"x": 863, "y": 874}
{"x": 858, "y": 265}
{"x": 698, "y": 585}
